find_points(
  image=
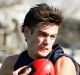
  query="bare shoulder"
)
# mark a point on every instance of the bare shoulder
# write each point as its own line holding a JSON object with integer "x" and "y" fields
{"x": 65, "y": 66}
{"x": 8, "y": 65}
{"x": 65, "y": 60}
{"x": 10, "y": 60}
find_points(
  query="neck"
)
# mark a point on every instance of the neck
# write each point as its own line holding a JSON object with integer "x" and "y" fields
{"x": 34, "y": 57}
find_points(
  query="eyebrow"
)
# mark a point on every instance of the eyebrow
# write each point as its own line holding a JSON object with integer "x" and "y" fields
{"x": 45, "y": 33}
{"x": 42, "y": 32}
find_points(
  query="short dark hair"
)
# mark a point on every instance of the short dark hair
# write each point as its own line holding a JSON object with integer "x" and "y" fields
{"x": 42, "y": 13}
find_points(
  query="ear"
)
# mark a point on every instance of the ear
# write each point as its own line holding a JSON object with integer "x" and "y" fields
{"x": 26, "y": 32}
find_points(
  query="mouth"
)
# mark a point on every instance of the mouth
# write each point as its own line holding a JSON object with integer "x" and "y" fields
{"x": 43, "y": 48}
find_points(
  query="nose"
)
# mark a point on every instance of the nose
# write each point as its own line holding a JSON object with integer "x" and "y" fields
{"x": 46, "y": 41}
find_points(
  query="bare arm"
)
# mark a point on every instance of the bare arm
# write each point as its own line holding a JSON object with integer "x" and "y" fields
{"x": 65, "y": 66}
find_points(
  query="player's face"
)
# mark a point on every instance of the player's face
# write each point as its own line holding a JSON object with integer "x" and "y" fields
{"x": 40, "y": 42}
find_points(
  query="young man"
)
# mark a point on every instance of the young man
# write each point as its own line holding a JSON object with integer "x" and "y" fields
{"x": 40, "y": 28}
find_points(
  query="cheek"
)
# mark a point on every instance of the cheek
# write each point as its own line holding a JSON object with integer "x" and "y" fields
{"x": 35, "y": 41}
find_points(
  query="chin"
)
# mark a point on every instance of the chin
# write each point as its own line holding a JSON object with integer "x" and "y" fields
{"x": 43, "y": 54}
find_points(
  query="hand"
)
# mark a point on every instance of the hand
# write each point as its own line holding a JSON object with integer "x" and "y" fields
{"x": 22, "y": 71}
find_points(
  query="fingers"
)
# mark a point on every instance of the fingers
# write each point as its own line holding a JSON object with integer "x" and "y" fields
{"x": 22, "y": 71}
{"x": 16, "y": 72}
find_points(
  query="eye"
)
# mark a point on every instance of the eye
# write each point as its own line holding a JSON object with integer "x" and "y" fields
{"x": 53, "y": 36}
{"x": 43, "y": 34}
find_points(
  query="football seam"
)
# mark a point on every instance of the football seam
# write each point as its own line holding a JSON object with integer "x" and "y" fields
{"x": 42, "y": 66}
